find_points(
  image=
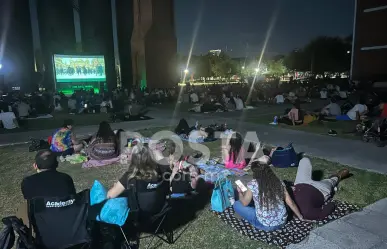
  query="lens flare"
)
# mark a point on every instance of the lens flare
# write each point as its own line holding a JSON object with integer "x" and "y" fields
{"x": 272, "y": 23}
{"x": 186, "y": 70}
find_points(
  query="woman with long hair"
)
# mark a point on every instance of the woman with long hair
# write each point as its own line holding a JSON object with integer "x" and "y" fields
{"x": 104, "y": 145}
{"x": 233, "y": 152}
{"x": 143, "y": 173}
{"x": 269, "y": 195}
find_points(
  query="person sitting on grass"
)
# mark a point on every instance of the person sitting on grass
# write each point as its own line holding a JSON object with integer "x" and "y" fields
{"x": 356, "y": 112}
{"x": 311, "y": 195}
{"x": 269, "y": 195}
{"x": 104, "y": 145}
{"x": 333, "y": 109}
{"x": 64, "y": 141}
{"x": 233, "y": 152}
{"x": 293, "y": 117}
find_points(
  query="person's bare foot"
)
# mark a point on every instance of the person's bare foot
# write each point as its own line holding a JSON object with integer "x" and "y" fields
{"x": 342, "y": 174}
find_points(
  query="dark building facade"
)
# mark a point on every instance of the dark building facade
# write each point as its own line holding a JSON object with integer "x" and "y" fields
{"x": 369, "y": 55}
{"x": 16, "y": 49}
{"x": 154, "y": 43}
{"x": 97, "y": 34}
{"x": 125, "y": 23}
{"x": 56, "y": 32}
{"x": 137, "y": 38}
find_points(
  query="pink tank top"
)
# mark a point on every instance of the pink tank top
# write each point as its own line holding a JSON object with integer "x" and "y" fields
{"x": 229, "y": 163}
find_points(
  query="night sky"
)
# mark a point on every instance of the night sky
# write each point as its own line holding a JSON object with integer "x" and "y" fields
{"x": 232, "y": 24}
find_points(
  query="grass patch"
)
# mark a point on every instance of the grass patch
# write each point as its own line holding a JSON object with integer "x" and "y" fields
{"x": 207, "y": 231}
{"x": 322, "y": 128}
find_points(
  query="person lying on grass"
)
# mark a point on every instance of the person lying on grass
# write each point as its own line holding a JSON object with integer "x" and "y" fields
{"x": 270, "y": 197}
{"x": 311, "y": 195}
{"x": 359, "y": 110}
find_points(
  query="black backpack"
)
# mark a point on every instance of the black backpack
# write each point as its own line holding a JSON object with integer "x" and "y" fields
{"x": 38, "y": 144}
{"x": 7, "y": 236}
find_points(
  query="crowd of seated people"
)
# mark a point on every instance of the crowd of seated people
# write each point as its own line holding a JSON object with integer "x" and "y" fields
{"x": 264, "y": 203}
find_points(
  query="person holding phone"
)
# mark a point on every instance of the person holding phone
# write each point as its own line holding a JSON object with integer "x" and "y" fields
{"x": 269, "y": 196}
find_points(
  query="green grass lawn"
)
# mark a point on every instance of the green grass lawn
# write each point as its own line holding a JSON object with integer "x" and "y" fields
{"x": 207, "y": 231}
{"x": 342, "y": 127}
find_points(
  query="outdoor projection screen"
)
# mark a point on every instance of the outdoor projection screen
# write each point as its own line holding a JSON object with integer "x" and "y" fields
{"x": 79, "y": 68}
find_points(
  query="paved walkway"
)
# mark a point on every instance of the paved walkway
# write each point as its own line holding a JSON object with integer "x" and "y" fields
{"x": 363, "y": 230}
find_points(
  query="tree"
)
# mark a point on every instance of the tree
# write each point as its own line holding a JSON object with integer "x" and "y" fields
{"x": 322, "y": 55}
{"x": 222, "y": 65}
{"x": 202, "y": 66}
{"x": 276, "y": 67}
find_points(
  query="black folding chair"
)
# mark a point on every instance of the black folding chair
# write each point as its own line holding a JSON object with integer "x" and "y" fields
{"x": 60, "y": 223}
{"x": 149, "y": 210}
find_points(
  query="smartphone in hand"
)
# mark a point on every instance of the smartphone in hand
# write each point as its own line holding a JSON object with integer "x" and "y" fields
{"x": 241, "y": 186}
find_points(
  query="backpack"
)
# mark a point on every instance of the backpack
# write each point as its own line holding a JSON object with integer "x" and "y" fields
{"x": 284, "y": 157}
{"x": 38, "y": 144}
{"x": 7, "y": 236}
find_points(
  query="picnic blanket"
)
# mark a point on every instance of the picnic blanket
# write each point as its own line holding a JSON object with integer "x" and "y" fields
{"x": 99, "y": 163}
{"x": 292, "y": 233}
{"x": 197, "y": 141}
{"x": 214, "y": 169}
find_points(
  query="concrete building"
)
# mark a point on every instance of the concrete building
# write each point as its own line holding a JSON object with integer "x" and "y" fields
{"x": 215, "y": 52}
{"x": 136, "y": 37}
{"x": 154, "y": 44}
{"x": 16, "y": 54}
{"x": 369, "y": 48}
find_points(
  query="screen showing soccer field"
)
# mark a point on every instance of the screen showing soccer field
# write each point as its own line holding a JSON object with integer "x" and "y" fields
{"x": 79, "y": 68}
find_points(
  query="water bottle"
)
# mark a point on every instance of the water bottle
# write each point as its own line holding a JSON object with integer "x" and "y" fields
{"x": 231, "y": 198}
{"x": 275, "y": 120}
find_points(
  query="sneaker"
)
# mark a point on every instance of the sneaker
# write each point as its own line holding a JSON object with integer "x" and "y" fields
{"x": 332, "y": 133}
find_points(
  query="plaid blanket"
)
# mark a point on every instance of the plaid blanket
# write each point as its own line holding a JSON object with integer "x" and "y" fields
{"x": 292, "y": 233}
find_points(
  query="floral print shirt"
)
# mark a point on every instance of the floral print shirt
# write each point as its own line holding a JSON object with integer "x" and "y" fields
{"x": 275, "y": 216}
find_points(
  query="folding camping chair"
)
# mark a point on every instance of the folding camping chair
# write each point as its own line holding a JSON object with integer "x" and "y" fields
{"x": 61, "y": 222}
{"x": 149, "y": 210}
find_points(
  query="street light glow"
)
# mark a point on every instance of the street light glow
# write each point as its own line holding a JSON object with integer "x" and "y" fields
{"x": 348, "y": 52}
{"x": 186, "y": 71}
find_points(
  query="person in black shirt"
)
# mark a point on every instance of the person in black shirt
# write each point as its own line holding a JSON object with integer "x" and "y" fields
{"x": 143, "y": 172}
{"x": 47, "y": 182}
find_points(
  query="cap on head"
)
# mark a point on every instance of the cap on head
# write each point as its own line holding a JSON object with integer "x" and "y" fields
{"x": 46, "y": 159}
